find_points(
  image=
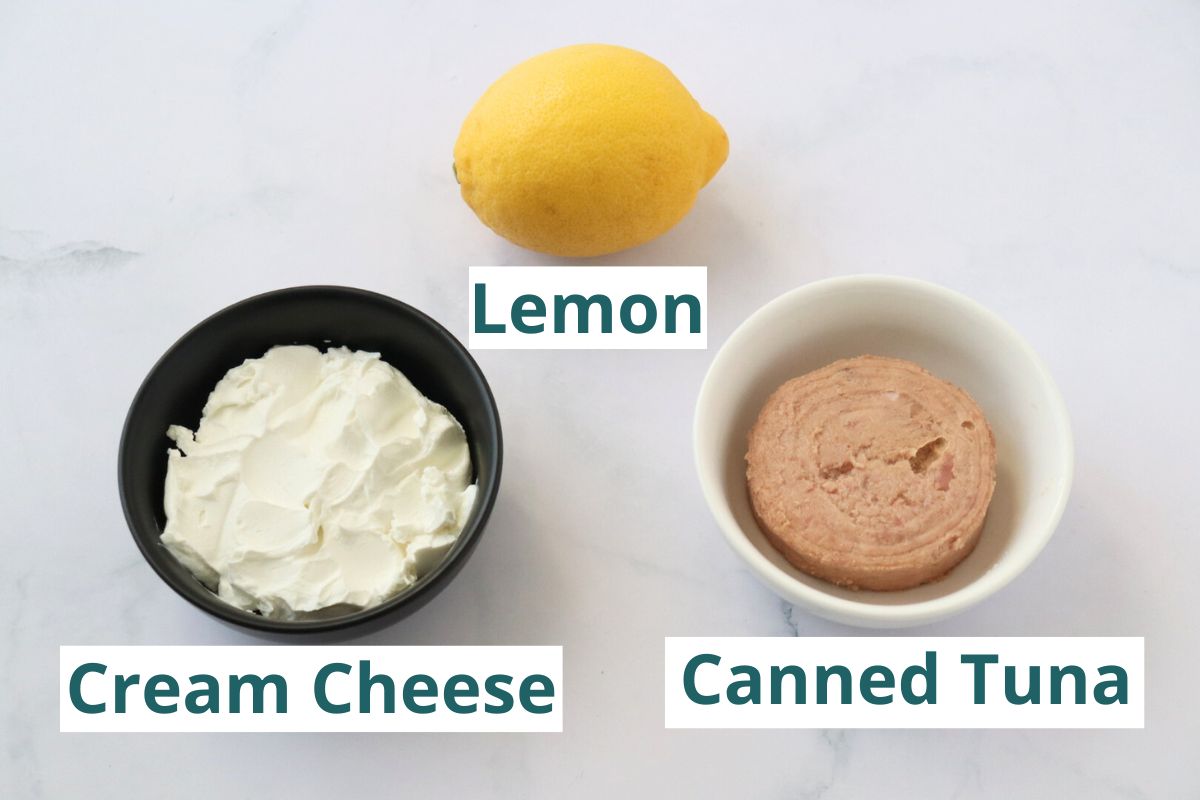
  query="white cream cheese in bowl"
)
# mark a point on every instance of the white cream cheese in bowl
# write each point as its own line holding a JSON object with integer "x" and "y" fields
{"x": 315, "y": 480}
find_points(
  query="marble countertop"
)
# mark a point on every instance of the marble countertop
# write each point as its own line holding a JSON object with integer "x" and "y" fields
{"x": 161, "y": 160}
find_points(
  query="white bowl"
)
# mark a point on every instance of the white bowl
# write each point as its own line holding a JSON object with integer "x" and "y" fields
{"x": 953, "y": 337}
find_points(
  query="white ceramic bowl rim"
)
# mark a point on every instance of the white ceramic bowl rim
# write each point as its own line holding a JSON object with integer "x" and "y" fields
{"x": 835, "y": 607}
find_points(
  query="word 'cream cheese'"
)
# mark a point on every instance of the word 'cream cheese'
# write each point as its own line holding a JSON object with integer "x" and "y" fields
{"x": 315, "y": 480}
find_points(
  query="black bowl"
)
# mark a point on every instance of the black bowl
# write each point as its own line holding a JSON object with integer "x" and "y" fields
{"x": 323, "y": 316}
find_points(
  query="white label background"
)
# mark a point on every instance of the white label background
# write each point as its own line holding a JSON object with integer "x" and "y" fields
{"x": 299, "y": 666}
{"x": 506, "y": 284}
{"x": 955, "y": 706}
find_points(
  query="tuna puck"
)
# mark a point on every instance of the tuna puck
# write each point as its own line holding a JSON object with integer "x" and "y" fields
{"x": 871, "y": 473}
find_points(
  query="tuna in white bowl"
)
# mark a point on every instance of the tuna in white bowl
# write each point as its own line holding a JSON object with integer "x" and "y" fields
{"x": 953, "y": 337}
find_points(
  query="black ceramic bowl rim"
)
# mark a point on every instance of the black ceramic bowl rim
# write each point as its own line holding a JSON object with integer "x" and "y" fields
{"x": 203, "y": 598}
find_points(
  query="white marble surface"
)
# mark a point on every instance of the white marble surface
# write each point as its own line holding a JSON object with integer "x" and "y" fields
{"x": 159, "y": 161}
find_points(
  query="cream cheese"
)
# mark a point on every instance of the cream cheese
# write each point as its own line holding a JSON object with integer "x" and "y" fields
{"x": 315, "y": 480}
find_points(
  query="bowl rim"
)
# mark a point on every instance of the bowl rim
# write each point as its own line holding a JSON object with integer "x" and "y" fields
{"x": 485, "y": 498}
{"x": 855, "y": 612}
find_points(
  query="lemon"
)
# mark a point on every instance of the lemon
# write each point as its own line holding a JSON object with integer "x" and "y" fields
{"x": 586, "y": 150}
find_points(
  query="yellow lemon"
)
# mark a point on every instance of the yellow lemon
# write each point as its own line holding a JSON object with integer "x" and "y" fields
{"x": 586, "y": 150}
